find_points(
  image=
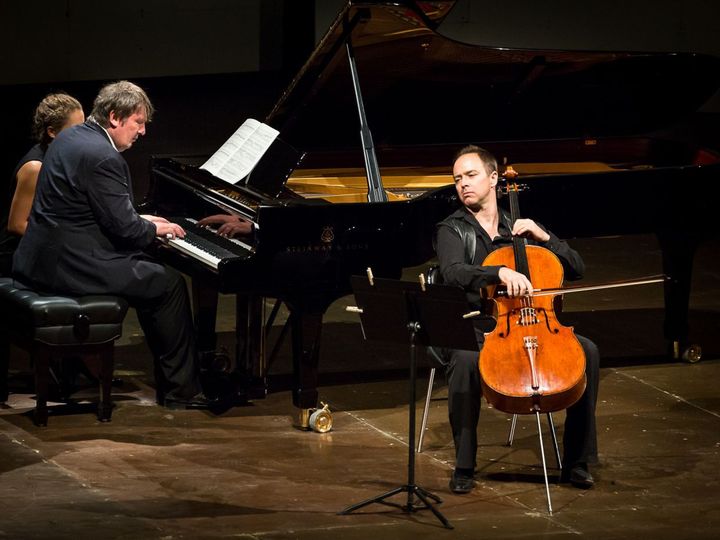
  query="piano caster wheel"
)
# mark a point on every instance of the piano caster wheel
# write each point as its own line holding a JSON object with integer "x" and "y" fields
{"x": 317, "y": 420}
{"x": 691, "y": 353}
{"x": 321, "y": 420}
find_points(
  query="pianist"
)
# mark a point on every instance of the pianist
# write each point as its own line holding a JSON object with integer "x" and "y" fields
{"x": 475, "y": 174}
{"x": 85, "y": 237}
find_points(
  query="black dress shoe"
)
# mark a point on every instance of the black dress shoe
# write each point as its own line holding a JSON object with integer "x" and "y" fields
{"x": 460, "y": 483}
{"x": 578, "y": 476}
{"x": 198, "y": 401}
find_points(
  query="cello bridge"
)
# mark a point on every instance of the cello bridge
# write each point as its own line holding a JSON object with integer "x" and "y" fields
{"x": 528, "y": 316}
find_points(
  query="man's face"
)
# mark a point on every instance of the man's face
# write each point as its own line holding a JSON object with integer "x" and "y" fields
{"x": 126, "y": 131}
{"x": 473, "y": 184}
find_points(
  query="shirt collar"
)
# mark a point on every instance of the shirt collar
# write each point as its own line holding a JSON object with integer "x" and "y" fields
{"x": 91, "y": 119}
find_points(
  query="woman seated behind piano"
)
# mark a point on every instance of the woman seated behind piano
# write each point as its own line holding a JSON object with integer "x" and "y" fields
{"x": 53, "y": 114}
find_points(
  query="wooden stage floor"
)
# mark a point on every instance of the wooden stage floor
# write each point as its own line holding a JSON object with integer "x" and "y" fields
{"x": 247, "y": 473}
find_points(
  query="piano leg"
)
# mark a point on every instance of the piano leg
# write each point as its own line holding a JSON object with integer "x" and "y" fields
{"x": 306, "y": 327}
{"x": 250, "y": 366}
{"x": 678, "y": 251}
{"x": 250, "y": 373}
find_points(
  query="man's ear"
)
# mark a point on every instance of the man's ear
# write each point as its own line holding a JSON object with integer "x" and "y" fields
{"x": 114, "y": 120}
{"x": 51, "y": 132}
{"x": 494, "y": 179}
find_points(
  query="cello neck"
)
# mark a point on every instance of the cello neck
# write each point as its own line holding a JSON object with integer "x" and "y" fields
{"x": 519, "y": 243}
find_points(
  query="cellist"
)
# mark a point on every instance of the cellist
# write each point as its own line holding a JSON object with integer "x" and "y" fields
{"x": 464, "y": 239}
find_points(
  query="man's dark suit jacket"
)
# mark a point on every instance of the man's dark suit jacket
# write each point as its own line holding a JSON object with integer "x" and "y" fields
{"x": 84, "y": 235}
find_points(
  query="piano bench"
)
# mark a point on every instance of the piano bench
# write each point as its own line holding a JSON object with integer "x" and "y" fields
{"x": 52, "y": 327}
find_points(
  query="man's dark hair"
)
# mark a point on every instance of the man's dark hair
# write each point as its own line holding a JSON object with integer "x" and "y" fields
{"x": 122, "y": 98}
{"x": 486, "y": 157}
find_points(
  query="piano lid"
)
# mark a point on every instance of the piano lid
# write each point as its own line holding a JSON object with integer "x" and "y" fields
{"x": 421, "y": 87}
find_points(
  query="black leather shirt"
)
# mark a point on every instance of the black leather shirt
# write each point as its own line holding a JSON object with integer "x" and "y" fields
{"x": 456, "y": 269}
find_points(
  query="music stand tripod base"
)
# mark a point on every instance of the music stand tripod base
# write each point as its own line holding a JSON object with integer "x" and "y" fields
{"x": 412, "y": 489}
{"x": 410, "y": 507}
{"x": 398, "y": 311}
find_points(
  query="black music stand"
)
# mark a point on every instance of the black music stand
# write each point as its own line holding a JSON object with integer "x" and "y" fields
{"x": 401, "y": 312}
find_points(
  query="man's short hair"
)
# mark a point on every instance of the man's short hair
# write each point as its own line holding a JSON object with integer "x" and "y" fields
{"x": 486, "y": 157}
{"x": 122, "y": 98}
{"x": 52, "y": 112}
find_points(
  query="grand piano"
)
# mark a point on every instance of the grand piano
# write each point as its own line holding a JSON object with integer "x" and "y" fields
{"x": 368, "y": 129}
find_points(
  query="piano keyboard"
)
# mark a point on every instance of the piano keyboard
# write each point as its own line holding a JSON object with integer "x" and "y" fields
{"x": 206, "y": 245}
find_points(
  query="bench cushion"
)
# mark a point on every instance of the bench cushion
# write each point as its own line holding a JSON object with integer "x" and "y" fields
{"x": 59, "y": 320}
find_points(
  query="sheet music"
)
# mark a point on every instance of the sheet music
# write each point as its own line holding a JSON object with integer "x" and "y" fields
{"x": 241, "y": 152}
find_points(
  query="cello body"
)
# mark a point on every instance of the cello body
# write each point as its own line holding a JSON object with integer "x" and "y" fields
{"x": 530, "y": 363}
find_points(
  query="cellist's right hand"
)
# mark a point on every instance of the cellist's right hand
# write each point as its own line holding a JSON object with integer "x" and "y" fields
{"x": 515, "y": 282}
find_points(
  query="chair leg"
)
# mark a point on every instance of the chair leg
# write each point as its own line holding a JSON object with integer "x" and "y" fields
{"x": 426, "y": 410}
{"x": 551, "y": 423}
{"x": 542, "y": 454}
{"x": 511, "y": 434}
{"x": 41, "y": 361}
{"x": 106, "y": 376}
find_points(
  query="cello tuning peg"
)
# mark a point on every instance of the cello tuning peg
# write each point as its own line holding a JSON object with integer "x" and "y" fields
{"x": 510, "y": 173}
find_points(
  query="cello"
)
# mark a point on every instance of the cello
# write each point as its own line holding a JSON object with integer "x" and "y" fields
{"x": 530, "y": 363}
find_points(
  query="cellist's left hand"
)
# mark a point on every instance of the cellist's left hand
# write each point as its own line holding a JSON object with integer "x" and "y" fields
{"x": 527, "y": 228}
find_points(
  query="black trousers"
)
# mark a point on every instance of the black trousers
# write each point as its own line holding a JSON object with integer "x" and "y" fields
{"x": 166, "y": 320}
{"x": 464, "y": 393}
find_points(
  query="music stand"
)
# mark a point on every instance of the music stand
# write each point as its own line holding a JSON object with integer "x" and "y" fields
{"x": 402, "y": 312}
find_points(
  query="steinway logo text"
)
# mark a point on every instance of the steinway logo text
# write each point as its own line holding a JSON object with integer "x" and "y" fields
{"x": 319, "y": 248}
{"x": 327, "y": 237}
